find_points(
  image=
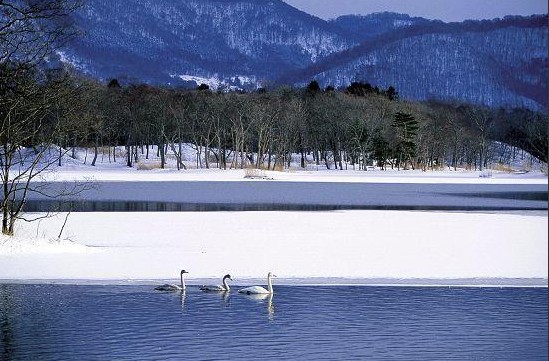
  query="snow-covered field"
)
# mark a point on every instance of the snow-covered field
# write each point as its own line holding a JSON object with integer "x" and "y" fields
{"x": 360, "y": 245}
{"x": 344, "y": 244}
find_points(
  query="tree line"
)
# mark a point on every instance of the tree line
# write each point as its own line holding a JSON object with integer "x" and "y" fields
{"x": 357, "y": 127}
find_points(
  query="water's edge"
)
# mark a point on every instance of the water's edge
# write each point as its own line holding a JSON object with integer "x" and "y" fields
{"x": 310, "y": 281}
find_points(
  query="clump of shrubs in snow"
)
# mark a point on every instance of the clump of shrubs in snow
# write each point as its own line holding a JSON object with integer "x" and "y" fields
{"x": 485, "y": 174}
{"x": 254, "y": 173}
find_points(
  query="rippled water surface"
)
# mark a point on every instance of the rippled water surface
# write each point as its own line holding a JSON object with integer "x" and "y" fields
{"x": 54, "y": 322}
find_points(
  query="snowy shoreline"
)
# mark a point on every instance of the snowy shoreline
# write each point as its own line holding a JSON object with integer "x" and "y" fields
{"x": 361, "y": 247}
{"x": 304, "y": 282}
{"x": 115, "y": 172}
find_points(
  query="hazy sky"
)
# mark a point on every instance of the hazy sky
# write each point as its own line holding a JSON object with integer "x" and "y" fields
{"x": 445, "y": 10}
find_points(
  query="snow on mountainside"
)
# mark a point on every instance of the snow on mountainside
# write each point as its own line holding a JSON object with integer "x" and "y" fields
{"x": 477, "y": 67}
{"x": 150, "y": 41}
{"x": 495, "y": 63}
{"x": 250, "y": 43}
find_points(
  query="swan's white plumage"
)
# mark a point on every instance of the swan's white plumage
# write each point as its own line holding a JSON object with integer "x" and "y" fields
{"x": 254, "y": 290}
{"x": 258, "y": 290}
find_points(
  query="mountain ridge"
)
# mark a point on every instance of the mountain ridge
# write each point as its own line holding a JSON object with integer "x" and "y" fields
{"x": 531, "y": 94}
{"x": 235, "y": 37}
{"x": 245, "y": 44}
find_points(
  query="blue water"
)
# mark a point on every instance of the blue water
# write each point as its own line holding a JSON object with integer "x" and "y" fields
{"x": 58, "y": 322}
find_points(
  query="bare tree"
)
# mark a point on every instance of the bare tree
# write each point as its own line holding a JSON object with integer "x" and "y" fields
{"x": 481, "y": 120}
{"x": 31, "y": 30}
{"x": 31, "y": 125}
{"x": 29, "y": 99}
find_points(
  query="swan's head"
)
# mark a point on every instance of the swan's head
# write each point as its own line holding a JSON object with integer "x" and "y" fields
{"x": 227, "y": 277}
{"x": 183, "y": 271}
{"x": 270, "y": 274}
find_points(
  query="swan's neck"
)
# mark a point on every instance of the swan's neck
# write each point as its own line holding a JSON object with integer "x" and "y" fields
{"x": 270, "y": 284}
{"x": 183, "y": 287}
{"x": 225, "y": 284}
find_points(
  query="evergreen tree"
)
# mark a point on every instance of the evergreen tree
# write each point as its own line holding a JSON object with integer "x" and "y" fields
{"x": 313, "y": 88}
{"x": 380, "y": 149}
{"x": 406, "y": 127}
{"x": 203, "y": 87}
{"x": 361, "y": 89}
{"x": 391, "y": 93}
{"x": 113, "y": 84}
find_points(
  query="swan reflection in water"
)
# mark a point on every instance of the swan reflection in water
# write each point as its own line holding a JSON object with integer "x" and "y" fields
{"x": 226, "y": 298}
{"x": 223, "y": 296}
{"x": 183, "y": 295}
{"x": 261, "y": 297}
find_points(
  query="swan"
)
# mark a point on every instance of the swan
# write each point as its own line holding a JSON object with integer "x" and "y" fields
{"x": 224, "y": 288}
{"x": 173, "y": 288}
{"x": 255, "y": 290}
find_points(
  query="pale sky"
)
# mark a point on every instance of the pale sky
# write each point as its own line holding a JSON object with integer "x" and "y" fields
{"x": 445, "y": 10}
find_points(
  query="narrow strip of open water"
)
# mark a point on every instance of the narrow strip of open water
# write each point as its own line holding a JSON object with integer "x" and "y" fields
{"x": 293, "y": 196}
{"x": 148, "y": 206}
{"x": 64, "y": 322}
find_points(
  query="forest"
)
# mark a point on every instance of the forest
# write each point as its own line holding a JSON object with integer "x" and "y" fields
{"x": 359, "y": 126}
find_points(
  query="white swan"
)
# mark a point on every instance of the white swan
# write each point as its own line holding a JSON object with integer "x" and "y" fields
{"x": 224, "y": 288}
{"x": 173, "y": 288}
{"x": 255, "y": 290}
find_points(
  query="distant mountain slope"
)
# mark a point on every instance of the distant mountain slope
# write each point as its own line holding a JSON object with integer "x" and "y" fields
{"x": 497, "y": 63}
{"x": 362, "y": 27}
{"x": 162, "y": 41}
{"x": 246, "y": 43}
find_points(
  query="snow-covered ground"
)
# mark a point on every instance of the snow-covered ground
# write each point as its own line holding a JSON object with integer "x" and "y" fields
{"x": 342, "y": 244}
{"x": 117, "y": 172}
{"x": 360, "y": 245}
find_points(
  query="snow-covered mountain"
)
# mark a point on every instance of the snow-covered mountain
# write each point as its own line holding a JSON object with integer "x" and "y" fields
{"x": 497, "y": 63}
{"x": 214, "y": 41}
{"x": 250, "y": 43}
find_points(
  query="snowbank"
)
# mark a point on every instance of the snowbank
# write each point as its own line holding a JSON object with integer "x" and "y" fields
{"x": 295, "y": 245}
{"x": 39, "y": 246}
